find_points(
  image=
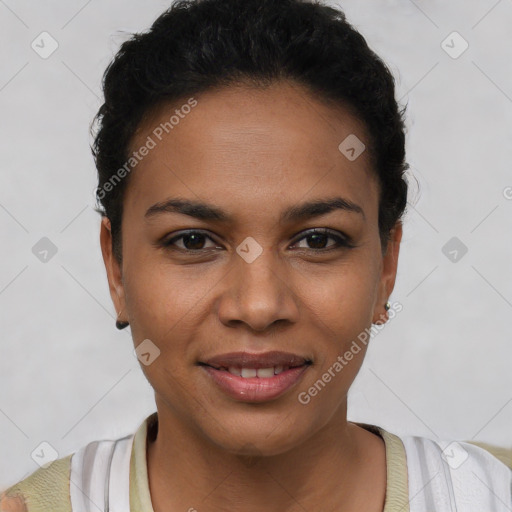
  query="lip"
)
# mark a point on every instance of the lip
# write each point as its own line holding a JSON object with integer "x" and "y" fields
{"x": 253, "y": 360}
{"x": 255, "y": 389}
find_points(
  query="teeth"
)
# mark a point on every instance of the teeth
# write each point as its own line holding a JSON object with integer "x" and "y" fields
{"x": 265, "y": 373}
{"x": 262, "y": 373}
{"x": 248, "y": 372}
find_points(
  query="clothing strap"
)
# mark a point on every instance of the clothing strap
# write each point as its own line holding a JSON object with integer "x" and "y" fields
{"x": 100, "y": 476}
{"x": 455, "y": 476}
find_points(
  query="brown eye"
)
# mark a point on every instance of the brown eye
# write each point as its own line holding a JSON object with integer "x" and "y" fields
{"x": 191, "y": 241}
{"x": 318, "y": 240}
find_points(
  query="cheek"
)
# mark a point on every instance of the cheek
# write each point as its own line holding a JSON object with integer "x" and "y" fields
{"x": 167, "y": 305}
{"x": 159, "y": 294}
{"x": 161, "y": 309}
{"x": 341, "y": 313}
{"x": 344, "y": 296}
{"x": 341, "y": 310}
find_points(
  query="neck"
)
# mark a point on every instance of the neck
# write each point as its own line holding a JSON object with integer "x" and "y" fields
{"x": 332, "y": 468}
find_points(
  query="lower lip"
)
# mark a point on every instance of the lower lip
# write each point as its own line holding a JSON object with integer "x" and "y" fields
{"x": 255, "y": 389}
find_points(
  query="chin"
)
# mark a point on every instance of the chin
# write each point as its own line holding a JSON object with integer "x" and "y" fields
{"x": 254, "y": 433}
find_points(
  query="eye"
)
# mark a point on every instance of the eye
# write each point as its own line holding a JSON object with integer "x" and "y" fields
{"x": 191, "y": 240}
{"x": 317, "y": 239}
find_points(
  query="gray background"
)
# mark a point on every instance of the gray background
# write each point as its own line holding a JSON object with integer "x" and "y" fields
{"x": 441, "y": 368}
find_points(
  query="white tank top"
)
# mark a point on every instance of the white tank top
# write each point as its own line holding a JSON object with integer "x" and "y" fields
{"x": 100, "y": 476}
{"x": 455, "y": 476}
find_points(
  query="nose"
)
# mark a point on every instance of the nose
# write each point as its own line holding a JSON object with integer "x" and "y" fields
{"x": 258, "y": 294}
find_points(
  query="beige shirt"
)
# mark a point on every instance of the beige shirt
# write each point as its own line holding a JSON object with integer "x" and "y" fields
{"x": 48, "y": 489}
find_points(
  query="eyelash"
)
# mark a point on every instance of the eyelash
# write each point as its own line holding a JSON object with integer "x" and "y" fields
{"x": 342, "y": 241}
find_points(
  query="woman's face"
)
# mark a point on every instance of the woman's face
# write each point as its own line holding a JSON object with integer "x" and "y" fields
{"x": 245, "y": 166}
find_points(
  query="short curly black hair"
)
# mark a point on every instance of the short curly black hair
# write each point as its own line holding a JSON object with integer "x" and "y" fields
{"x": 200, "y": 45}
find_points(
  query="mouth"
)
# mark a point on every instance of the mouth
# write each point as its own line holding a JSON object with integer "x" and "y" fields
{"x": 263, "y": 361}
{"x": 249, "y": 377}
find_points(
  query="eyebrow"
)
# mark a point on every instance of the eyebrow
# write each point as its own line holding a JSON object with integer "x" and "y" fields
{"x": 205, "y": 211}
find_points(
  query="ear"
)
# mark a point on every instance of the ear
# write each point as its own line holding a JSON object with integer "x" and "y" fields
{"x": 388, "y": 274}
{"x": 114, "y": 272}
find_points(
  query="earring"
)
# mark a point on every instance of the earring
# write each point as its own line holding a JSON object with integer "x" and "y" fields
{"x": 384, "y": 318}
{"x": 120, "y": 324}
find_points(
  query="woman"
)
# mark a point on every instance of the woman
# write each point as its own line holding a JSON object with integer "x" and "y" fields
{"x": 251, "y": 166}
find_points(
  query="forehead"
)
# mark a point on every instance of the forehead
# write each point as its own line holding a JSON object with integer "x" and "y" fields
{"x": 248, "y": 147}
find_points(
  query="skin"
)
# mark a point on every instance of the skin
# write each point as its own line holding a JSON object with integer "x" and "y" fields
{"x": 12, "y": 503}
{"x": 253, "y": 153}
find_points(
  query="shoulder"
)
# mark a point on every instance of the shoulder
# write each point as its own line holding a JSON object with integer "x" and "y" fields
{"x": 452, "y": 452}
{"x": 501, "y": 453}
{"x": 474, "y": 475}
{"x": 442, "y": 470}
{"x": 456, "y": 454}
{"x": 46, "y": 486}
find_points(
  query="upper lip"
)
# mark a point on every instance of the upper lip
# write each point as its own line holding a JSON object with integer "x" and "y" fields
{"x": 253, "y": 360}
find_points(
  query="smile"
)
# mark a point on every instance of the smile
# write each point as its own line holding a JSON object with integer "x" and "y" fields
{"x": 250, "y": 377}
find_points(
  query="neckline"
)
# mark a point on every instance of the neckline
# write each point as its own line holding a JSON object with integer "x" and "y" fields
{"x": 397, "y": 485}
{"x": 397, "y": 493}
